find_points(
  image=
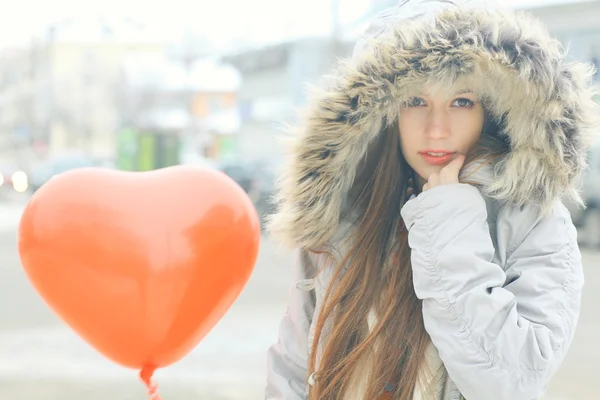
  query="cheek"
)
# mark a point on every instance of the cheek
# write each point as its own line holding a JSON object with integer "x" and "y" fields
{"x": 469, "y": 127}
{"x": 409, "y": 128}
{"x": 475, "y": 134}
{"x": 408, "y": 143}
{"x": 477, "y": 127}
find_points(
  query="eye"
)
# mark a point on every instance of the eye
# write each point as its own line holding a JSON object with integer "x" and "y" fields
{"x": 463, "y": 103}
{"x": 415, "y": 102}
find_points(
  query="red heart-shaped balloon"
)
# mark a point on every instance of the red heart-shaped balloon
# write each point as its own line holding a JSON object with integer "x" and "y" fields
{"x": 141, "y": 265}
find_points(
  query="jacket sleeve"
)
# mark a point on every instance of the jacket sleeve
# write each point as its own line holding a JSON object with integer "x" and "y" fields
{"x": 501, "y": 331}
{"x": 287, "y": 359}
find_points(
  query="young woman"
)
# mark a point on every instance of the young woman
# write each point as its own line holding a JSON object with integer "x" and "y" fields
{"x": 436, "y": 260}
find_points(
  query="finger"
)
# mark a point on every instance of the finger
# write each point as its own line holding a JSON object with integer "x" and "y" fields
{"x": 434, "y": 179}
{"x": 425, "y": 187}
{"x": 454, "y": 166}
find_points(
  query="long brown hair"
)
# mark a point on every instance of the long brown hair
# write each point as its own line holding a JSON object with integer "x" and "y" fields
{"x": 376, "y": 274}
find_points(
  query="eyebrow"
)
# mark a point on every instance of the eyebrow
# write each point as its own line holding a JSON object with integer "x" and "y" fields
{"x": 457, "y": 93}
{"x": 463, "y": 91}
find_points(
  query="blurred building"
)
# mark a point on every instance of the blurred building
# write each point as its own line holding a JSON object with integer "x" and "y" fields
{"x": 272, "y": 87}
{"x": 574, "y": 23}
{"x": 169, "y": 106}
{"x": 58, "y": 95}
{"x": 17, "y": 104}
{"x": 215, "y": 100}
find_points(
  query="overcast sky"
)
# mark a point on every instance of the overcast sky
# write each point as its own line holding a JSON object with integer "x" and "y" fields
{"x": 258, "y": 20}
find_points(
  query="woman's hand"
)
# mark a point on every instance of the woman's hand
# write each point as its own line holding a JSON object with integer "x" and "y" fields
{"x": 448, "y": 174}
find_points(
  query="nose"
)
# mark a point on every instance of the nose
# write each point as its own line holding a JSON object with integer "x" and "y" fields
{"x": 438, "y": 124}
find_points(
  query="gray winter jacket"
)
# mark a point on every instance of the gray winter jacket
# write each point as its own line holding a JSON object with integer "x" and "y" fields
{"x": 496, "y": 263}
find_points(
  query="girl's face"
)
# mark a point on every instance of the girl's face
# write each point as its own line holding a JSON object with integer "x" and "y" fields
{"x": 435, "y": 127}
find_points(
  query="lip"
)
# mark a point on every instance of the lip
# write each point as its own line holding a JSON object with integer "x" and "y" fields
{"x": 437, "y": 160}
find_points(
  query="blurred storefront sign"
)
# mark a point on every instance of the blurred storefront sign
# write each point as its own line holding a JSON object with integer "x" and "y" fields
{"x": 144, "y": 150}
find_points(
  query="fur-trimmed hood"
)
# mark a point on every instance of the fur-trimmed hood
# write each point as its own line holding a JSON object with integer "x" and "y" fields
{"x": 544, "y": 100}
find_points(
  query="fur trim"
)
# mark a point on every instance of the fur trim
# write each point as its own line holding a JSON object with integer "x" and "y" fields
{"x": 508, "y": 58}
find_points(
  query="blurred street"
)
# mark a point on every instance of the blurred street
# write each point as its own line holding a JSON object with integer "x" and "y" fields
{"x": 41, "y": 359}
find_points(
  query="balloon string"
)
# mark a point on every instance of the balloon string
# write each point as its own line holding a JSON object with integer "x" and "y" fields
{"x": 146, "y": 376}
{"x": 153, "y": 392}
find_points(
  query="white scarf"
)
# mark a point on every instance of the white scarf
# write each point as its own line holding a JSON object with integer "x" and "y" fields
{"x": 430, "y": 380}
